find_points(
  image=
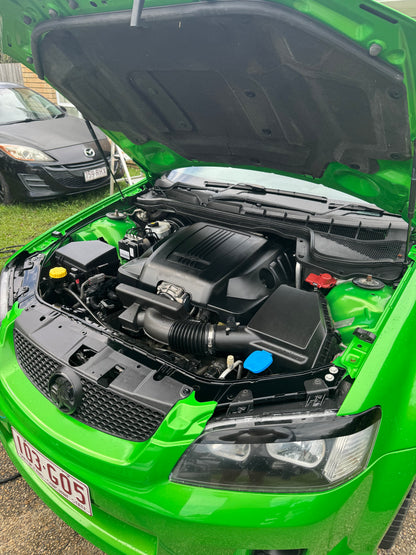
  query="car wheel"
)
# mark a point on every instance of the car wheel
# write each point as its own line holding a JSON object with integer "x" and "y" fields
{"x": 390, "y": 536}
{"x": 5, "y": 194}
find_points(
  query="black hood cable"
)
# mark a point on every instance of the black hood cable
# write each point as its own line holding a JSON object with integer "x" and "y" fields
{"x": 412, "y": 202}
{"x": 100, "y": 148}
{"x": 9, "y": 478}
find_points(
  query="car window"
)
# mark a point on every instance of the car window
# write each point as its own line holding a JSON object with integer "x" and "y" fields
{"x": 19, "y": 105}
{"x": 268, "y": 180}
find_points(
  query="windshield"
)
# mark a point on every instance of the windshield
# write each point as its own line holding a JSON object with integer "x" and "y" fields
{"x": 19, "y": 105}
{"x": 198, "y": 174}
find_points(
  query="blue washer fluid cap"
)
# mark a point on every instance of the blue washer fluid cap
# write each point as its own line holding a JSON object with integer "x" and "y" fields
{"x": 258, "y": 361}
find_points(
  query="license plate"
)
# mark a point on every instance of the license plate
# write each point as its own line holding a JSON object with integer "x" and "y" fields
{"x": 69, "y": 487}
{"x": 96, "y": 173}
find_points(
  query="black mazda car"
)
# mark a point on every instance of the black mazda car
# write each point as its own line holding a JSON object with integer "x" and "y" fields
{"x": 44, "y": 152}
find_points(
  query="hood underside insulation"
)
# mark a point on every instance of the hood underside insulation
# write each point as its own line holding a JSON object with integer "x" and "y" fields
{"x": 238, "y": 83}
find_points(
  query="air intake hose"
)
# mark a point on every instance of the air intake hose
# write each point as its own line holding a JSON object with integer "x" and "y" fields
{"x": 189, "y": 336}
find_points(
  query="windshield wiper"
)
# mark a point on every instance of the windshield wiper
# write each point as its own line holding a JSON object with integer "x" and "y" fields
{"x": 253, "y": 188}
{"x": 351, "y": 207}
{"x": 19, "y": 121}
{"x": 258, "y": 189}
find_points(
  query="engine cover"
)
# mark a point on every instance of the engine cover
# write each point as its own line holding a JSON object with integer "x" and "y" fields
{"x": 227, "y": 271}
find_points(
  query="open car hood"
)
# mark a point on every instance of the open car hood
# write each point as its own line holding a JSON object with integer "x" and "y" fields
{"x": 318, "y": 89}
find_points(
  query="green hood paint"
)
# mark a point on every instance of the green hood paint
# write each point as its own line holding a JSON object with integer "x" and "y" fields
{"x": 348, "y": 66}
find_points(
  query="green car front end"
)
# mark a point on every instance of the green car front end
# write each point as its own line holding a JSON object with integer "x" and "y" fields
{"x": 205, "y": 365}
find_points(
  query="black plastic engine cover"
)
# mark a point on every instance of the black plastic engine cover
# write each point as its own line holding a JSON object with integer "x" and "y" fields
{"x": 227, "y": 271}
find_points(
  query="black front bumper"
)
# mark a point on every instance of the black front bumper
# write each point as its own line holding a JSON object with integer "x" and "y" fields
{"x": 36, "y": 181}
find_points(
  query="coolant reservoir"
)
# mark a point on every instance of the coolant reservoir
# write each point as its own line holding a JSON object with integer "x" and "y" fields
{"x": 353, "y": 305}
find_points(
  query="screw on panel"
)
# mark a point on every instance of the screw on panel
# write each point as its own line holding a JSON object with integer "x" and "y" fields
{"x": 375, "y": 49}
{"x": 395, "y": 94}
{"x": 329, "y": 378}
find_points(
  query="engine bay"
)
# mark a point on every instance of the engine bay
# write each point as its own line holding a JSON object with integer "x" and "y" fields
{"x": 221, "y": 302}
{"x": 157, "y": 298}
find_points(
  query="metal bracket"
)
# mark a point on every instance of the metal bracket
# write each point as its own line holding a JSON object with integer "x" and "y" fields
{"x": 136, "y": 13}
{"x": 242, "y": 403}
{"x": 365, "y": 335}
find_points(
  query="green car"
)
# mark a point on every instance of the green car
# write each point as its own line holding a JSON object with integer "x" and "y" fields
{"x": 218, "y": 359}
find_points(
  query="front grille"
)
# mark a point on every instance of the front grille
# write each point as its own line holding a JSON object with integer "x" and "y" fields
{"x": 75, "y": 180}
{"x": 101, "y": 408}
{"x": 71, "y": 176}
{"x": 88, "y": 165}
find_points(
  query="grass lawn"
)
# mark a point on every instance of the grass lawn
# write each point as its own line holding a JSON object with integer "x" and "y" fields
{"x": 19, "y": 223}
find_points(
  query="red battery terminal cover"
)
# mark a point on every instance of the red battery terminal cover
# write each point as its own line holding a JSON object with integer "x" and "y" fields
{"x": 322, "y": 281}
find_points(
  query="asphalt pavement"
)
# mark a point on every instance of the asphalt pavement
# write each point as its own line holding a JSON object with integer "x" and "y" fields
{"x": 29, "y": 527}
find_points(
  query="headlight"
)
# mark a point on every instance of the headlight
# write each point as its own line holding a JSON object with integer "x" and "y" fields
{"x": 4, "y": 293}
{"x": 301, "y": 453}
{"x": 26, "y": 153}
